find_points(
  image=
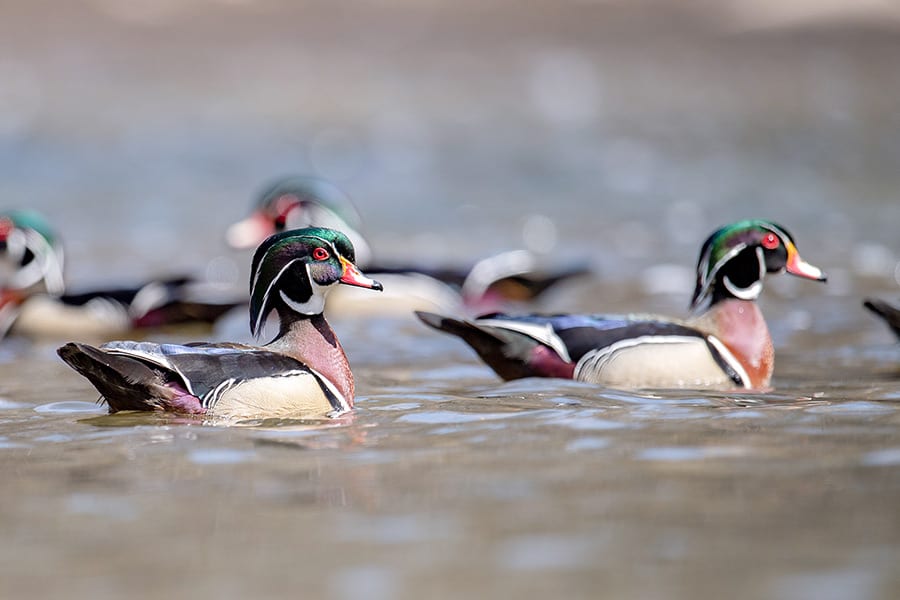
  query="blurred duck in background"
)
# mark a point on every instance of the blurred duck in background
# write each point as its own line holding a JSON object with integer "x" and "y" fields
{"x": 889, "y": 313}
{"x": 492, "y": 283}
{"x": 727, "y": 345}
{"x": 34, "y": 302}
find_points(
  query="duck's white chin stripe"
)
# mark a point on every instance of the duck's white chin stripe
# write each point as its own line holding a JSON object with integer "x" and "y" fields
{"x": 314, "y": 306}
{"x": 751, "y": 292}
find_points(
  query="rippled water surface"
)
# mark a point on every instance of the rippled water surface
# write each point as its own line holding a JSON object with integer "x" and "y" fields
{"x": 143, "y": 132}
{"x": 446, "y": 482}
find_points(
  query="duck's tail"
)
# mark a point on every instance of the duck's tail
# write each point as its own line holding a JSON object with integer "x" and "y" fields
{"x": 891, "y": 314}
{"x": 512, "y": 355}
{"x": 125, "y": 382}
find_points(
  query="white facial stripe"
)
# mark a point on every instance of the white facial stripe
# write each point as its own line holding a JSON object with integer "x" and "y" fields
{"x": 761, "y": 257}
{"x": 779, "y": 232}
{"x": 326, "y": 243}
{"x": 265, "y": 300}
{"x": 709, "y": 275}
{"x": 264, "y": 257}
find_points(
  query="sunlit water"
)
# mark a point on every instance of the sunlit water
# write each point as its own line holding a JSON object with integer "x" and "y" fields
{"x": 460, "y": 135}
{"x": 447, "y": 482}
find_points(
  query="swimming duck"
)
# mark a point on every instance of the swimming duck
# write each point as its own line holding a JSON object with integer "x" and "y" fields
{"x": 890, "y": 314}
{"x": 727, "y": 345}
{"x": 33, "y": 301}
{"x": 300, "y": 201}
{"x": 303, "y": 371}
{"x": 491, "y": 283}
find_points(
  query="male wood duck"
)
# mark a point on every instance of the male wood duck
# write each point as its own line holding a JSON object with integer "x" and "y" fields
{"x": 890, "y": 314}
{"x": 726, "y": 346}
{"x": 33, "y": 302}
{"x": 300, "y": 201}
{"x": 302, "y": 372}
{"x": 493, "y": 282}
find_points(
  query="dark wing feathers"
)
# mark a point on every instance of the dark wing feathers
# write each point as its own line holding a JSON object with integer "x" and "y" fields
{"x": 506, "y": 352}
{"x": 125, "y": 383}
{"x": 582, "y": 333}
{"x": 145, "y": 375}
{"x": 890, "y": 314}
{"x": 203, "y": 366}
{"x": 516, "y": 346}
{"x": 581, "y": 340}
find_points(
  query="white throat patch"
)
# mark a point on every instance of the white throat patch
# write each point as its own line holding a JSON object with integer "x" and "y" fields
{"x": 316, "y": 303}
{"x": 752, "y": 291}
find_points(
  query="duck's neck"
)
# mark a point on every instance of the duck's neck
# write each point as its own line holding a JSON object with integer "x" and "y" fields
{"x": 739, "y": 324}
{"x": 311, "y": 340}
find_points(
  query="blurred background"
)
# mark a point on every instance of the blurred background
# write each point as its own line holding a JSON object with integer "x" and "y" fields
{"x": 617, "y": 132}
{"x": 621, "y": 132}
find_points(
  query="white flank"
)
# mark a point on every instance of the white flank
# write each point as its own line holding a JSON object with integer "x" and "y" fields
{"x": 289, "y": 394}
{"x": 657, "y": 361}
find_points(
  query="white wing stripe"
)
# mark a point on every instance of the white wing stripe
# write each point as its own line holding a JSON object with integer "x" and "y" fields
{"x": 731, "y": 359}
{"x": 153, "y": 358}
{"x": 542, "y": 333}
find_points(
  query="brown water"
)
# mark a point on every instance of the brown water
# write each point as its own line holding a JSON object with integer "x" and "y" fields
{"x": 621, "y": 137}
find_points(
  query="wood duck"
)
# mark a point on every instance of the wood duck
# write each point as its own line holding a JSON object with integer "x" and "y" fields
{"x": 727, "y": 345}
{"x": 33, "y": 301}
{"x": 890, "y": 314}
{"x": 493, "y": 282}
{"x": 302, "y": 372}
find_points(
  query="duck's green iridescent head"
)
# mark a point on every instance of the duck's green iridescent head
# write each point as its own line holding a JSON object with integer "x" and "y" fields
{"x": 735, "y": 259}
{"x": 292, "y": 271}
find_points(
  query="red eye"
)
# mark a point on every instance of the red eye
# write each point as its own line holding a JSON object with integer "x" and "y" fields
{"x": 320, "y": 254}
{"x": 770, "y": 242}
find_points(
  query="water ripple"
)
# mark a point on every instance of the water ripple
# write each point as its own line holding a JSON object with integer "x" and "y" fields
{"x": 6, "y": 404}
{"x": 683, "y": 453}
{"x": 887, "y": 457}
{"x": 220, "y": 456}
{"x": 445, "y": 417}
{"x": 71, "y": 407}
{"x": 854, "y": 408}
